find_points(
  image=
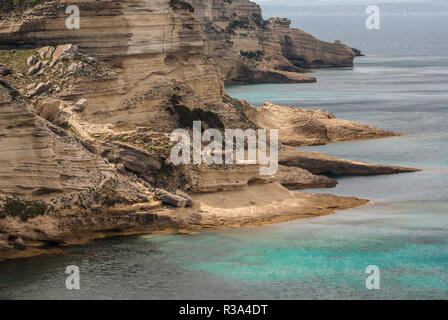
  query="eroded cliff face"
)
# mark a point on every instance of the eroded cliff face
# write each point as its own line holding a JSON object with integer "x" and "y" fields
{"x": 249, "y": 49}
{"x": 115, "y": 89}
{"x": 147, "y": 43}
{"x": 42, "y": 161}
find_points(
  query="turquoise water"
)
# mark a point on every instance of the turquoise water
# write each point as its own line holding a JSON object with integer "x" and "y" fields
{"x": 404, "y": 232}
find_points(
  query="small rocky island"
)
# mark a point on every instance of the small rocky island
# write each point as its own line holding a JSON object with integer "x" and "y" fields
{"x": 86, "y": 117}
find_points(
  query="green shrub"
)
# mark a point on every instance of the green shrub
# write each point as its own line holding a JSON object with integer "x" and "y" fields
{"x": 210, "y": 118}
{"x": 178, "y": 5}
{"x": 186, "y": 116}
{"x": 258, "y": 19}
{"x": 24, "y": 210}
{"x": 253, "y": 55}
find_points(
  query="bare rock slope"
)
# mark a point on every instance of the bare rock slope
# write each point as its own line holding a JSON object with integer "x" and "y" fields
{"x": 302, "y": 127}
{"x": 249, "y": 49}
{"x": 85, "y": 137}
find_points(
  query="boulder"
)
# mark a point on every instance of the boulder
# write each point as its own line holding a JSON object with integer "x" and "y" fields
{"x": 41, "y": 88}
{"x": 186, "y": 196}
{"x": 81, "y": 105}
{"x": 45, "y": 52}
{"x": 19, "y": 244}
{"x": 31, "y": 61}
{"x": 121, "y": 169}
{"x": 135, "y": 160}
{"x": 51, "y": 110}
{"x": 302, "y": 127}
{"x": 35, "y": 69}
{"x": 4, "y": 70}
{"x": 171, "y": 199}
{"x": 47, "y": 108}
{"x": 30, "y": 86}
{"x": 65, "y": 51}
{"x": 74, "y": 68}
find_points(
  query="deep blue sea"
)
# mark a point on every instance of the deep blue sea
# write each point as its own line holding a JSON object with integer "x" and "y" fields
{"x": 404, "y": 231}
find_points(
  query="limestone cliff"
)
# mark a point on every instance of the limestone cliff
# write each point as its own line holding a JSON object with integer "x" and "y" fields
{"x": 301, "y": 127}
{"x": 147, "y": 43}
{"x": 249, "y": 49}
{"x": 42, "y": 161}
{"x": 87, "y": 130}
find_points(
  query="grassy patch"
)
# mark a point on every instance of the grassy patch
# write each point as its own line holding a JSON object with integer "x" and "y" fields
{"x": 152, "y": 143}
{"x": 16, "y": 59}
{"x": 74, "y": 131}
{"x": 109, "y": 197}
{"x": 24, "y": 210}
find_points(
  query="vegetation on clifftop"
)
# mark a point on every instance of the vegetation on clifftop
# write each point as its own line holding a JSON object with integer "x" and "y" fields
{"x": 186, "y": 116}
{"x": 16, "y": 59}
{"x": 253, "y": 55}
{"x": 178, "y": 5}
{"x": 23, "y": 209}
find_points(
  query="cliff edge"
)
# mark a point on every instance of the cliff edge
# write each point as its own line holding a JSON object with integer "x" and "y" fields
{"x": 249, "y": 49}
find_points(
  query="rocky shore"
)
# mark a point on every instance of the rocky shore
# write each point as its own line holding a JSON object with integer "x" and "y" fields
{"x": 86, "y": 117}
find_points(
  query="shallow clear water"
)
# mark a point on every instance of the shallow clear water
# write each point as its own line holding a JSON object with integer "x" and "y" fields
{"x": 404, "y": 232}
{"x": 406, "y": 94}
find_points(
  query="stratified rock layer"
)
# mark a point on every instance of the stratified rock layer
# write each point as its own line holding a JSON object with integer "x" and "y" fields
{"x": 39, "y": 160}
{"x": 249, "y": 49}
{"x": 318, "y": 163}
{"x": 301, "y": 127}
{"x": 148, "y": 45}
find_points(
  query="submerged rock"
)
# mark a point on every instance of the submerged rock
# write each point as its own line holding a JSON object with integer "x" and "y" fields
{"x": 45, "y": 52}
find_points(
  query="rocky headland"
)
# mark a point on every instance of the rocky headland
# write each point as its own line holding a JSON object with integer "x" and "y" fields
{"x": 86, "y": 117}
{"x": 249, "y": 49}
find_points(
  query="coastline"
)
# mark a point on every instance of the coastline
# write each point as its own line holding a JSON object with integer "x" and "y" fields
{"x": 207, "y": 212}
{"x": 123, "y": 203}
